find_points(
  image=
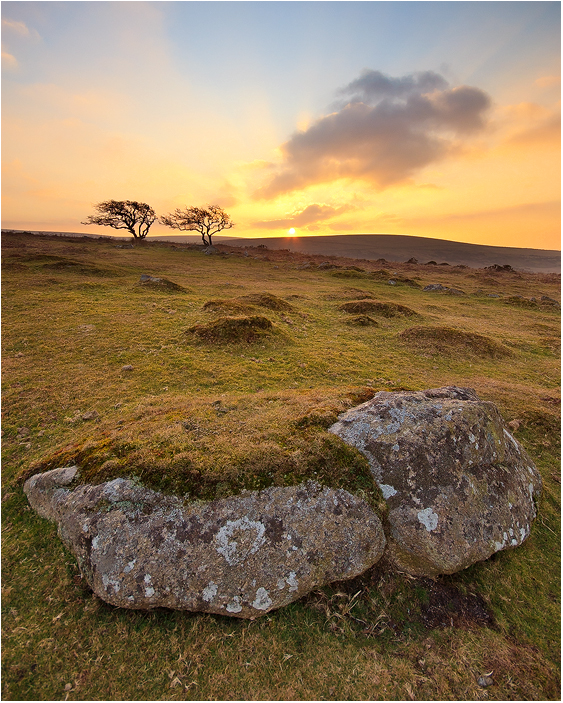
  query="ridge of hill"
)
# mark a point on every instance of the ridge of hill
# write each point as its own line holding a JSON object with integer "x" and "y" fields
{"x": 395, "y": 247}
{"x": 392, "y": 247}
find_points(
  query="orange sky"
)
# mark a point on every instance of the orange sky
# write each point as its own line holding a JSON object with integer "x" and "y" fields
{"x": 443, "y": 126}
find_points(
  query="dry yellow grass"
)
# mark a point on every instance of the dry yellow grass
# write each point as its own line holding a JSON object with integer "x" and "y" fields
{"x": 254, "y": 409}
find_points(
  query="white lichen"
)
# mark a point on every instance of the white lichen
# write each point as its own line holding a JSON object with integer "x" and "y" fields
{"x": 209, "y": 592}
{"x": 387, "y": 490}
{"x": 262, "y": 600}
{"x": 234, "y": 606}
{"x": 292, "y": 581}
{"x": 228, "y": 547}
{"x": 428, "y": 518}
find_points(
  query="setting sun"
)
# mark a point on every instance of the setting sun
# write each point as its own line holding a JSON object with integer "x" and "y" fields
{"x": 291, "y": 231}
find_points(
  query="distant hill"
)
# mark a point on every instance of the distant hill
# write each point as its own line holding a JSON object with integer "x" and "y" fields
{"x": 393, "y": 247}
{"x": 402, "y": 248}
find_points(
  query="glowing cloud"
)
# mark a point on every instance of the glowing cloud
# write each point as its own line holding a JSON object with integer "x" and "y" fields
{"x": 391, "y": 128}
{"x": 311, "y": 214}
{"x": 19, "y": 28}
{"x": 9, "y": 61}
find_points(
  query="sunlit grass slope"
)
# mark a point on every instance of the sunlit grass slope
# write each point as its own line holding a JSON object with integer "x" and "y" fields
{"x": 228, "y": 380}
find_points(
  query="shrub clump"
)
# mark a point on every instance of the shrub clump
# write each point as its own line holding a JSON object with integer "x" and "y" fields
{"x": 447, "y": 340}
{"x": 227, "y": 330}
{"x": 356, "y": 307}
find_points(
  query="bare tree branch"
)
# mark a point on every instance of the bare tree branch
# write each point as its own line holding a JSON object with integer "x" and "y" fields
{"x": 124, "y": 214}
{"x": 207, "y": 221}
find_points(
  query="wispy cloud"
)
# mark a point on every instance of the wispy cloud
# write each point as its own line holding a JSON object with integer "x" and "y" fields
{"x": 16, "y": 31}
{"x": 390, "y": 129}
{"x": 528, "y": 124}
{"x": 19, "y": 28}
{"x": 548, "y": 81}
{"x": 8, "y": 60}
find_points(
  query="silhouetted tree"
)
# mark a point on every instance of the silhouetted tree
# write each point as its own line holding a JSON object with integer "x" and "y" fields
{"x": 124, "y": 214}
{"x": 207, "y": 221}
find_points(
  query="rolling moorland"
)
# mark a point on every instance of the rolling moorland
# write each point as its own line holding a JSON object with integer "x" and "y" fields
{"x": 145, "y": 378}
{"x": 395, "y": 247}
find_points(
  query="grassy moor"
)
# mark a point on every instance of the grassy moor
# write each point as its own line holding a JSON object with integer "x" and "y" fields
{"x": 205, "y": 375}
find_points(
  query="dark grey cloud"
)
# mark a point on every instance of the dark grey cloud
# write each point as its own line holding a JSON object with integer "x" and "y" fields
{"x": 311, "y": 214}
{"x": 391, "y": 129}
{"x": 374, "y": 85}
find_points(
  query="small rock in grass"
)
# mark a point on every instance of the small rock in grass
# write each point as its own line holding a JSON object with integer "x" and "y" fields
{"x": 434, "y": 287}
{"x": 127, "y": 367}
{"x": 90, "y": 415}
{"x": 485, "y": 680}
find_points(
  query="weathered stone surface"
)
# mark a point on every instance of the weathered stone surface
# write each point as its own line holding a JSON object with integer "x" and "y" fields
{"x": 44, "y": 490}
{"x": 241, "y": 556}
{"x": 458, "y": 485}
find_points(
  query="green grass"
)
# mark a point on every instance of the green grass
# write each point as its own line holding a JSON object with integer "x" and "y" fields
{"x": 211, "y": 417}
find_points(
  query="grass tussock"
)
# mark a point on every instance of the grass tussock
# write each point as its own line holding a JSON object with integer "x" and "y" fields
{"x": 348, "y": 273}
{"x": 207, "y": 450}
{"x": 446, "y": 340}
{"x": 268, "y": 301}
{"x": 383, "y": 309}
{"x": 233, "y": 330}
{"x": 228, "y": 307}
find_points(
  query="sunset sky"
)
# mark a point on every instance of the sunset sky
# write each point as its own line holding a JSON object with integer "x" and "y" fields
{"x": 436, "y": 119}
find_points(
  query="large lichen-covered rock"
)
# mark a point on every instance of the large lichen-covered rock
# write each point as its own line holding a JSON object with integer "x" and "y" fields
{"x": 459, "y": 487}
{"x": 242, "y": 556}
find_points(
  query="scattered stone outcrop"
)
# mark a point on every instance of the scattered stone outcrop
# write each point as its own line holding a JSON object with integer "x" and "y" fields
{"x": 499, "y": 269}
{"x": 241, "y": 556}
{"x": 160, "y": 284}
{"x": 459, "y": 487}
{"x": 544, "y": 302}
{"x": 439, "y": 288}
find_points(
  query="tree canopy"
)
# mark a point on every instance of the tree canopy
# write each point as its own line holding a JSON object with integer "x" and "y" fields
{"x": 135, "y": 217}
{"x": 207, "y": 221}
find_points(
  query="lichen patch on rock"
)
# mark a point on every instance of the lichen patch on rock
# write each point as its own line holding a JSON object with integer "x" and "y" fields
{"x": 241, "y": 556}
{"x": 458, "y": 485}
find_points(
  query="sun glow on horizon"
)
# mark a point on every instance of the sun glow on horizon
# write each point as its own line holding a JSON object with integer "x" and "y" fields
{"x": 76, "y": 133}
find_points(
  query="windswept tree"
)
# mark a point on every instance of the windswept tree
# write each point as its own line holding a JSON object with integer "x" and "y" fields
{"x": 135, "y": 217}
{"x": 207, "y": 221}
